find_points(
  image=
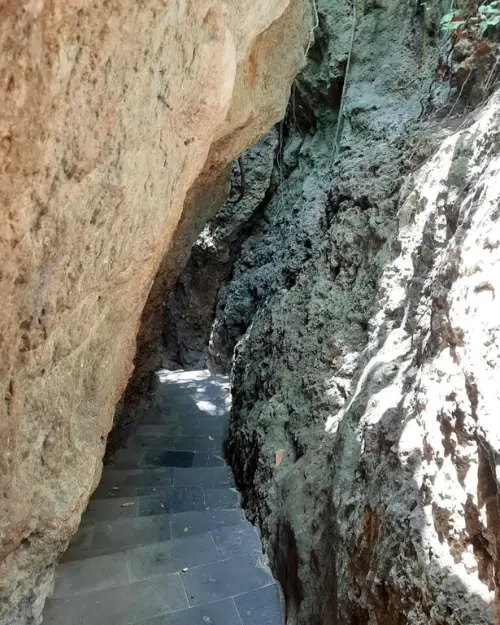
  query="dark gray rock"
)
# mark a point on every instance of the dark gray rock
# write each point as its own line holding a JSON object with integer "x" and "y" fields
{"x": 190, "y": 306}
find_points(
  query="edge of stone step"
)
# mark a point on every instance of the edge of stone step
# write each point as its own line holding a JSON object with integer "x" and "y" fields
{"x": 105, "y": 537}
{"x": 143, "y": 562}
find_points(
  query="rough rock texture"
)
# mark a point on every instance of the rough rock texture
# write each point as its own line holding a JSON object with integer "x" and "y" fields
{"x": 394, "y": 57}
{"x": 364, "y": 432}
{"x": 391, "y": 515}
{"x": 110, "y": 113}
{"x": 190, "y": 306}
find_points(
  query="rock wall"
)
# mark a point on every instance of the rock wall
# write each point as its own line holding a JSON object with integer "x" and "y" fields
{"x": 190, "y": 306}
{"x": 111, "y": 113}
{"x": 373, "y": 468}
{"x": 363, "y": 430}
{"x": 362, "y": 304}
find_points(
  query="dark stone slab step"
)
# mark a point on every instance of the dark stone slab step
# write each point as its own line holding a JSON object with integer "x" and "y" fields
{"x": 260, "y": 607}
{"x": 210, "y": 476}
{"x": 120, "y": 605}
{"x": 159, "y": 501}
{"x": 188, "y": 523}
{"x": 171, "y": 556}
{"x": 228, "y": 578}
{"x": 105, "y": 537}
{"x": 205, "y": 442}
{"x": 136, "y": 478}
{"x": 219, "y": 613}
{"x": 236, "y": 540}
{"x": 157, "y": 456}
{"x": 83, "y": 576}
{"x": 185, "y": 425}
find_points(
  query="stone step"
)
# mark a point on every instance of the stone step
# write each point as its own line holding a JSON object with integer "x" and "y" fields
{"x": 197, "y": 522}
{"x": 209, "y": 476}
{"x": 137, "y": 478}
{"x": 227, "y": 578}
{"x": 157, "y": 595}
{"x": 162, "y": 558}
{"x": 148, "y": 452}
{"x": 219, "y": 613}
{"x": 164, "y": 540}
{"x": 161, "y": 501}
{"x": 104, "y": 537}
{"x": 258, "y": 607}
{"x": 146, "y": 436}
{"x": 185, "y": 424}
{"x": 151, "y": 477}
{"x": 122, "y": 605}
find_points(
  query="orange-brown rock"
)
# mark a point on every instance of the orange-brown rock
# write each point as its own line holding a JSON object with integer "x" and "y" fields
{"x": 110, "y": 113}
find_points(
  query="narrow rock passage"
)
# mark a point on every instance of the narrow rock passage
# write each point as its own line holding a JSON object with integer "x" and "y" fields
{"x": 164, "y": 540}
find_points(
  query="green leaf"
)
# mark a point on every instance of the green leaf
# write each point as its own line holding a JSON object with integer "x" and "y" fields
{"x": 450, "y": 21}
{"x": 494, "y": 20}
{"x": 489, "y": 10}
{"x": 446, "y": 19}
{"x": 452, "y": 26}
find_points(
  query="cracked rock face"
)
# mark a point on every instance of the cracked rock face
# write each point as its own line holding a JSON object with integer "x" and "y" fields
{"x": 188, "y": 334}
{"x": 111, "y": 115}
{"x": 374, "y": 469}
{"x": 364, "y": 432}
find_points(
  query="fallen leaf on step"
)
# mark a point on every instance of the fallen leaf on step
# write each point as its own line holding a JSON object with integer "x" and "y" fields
{"x": 279, "y": 457}
{"x": 186, "y": 529}
{"x": 128, "y": 503}
{"x": 210, "y": 438}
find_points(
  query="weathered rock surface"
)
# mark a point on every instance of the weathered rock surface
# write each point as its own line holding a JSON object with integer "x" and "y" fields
{"x": 190, "y": 306}
{"x": 111, "y": 113}
{"x": 363, "y": 431}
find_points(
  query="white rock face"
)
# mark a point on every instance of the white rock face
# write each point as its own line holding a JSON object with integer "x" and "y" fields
{"x": 111, "y": 113}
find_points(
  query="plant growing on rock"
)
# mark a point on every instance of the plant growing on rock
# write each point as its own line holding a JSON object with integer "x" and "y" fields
{"x": 488, "y": 16}
{"x": 474, "y": 55}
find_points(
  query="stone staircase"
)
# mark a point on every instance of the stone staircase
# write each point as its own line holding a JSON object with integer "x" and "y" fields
{"x": 164, "y": 540}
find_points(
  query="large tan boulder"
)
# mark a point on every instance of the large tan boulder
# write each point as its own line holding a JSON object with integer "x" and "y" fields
{"x": 111, "y": 112}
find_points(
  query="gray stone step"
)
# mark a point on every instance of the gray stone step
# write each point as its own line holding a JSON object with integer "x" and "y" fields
{"x": 157, "y": 455}
{"x": 160, "y": 558}
{"x": 205, "y": 442}
{"x": 210, "y": 476}
{"x": 193, "y": 425}
{"x": 148, "y": 480}
{"x": 227, "y": 578}
{"x": 236, "y": 540}
{"x": 122, "y": 605}
{"x": 188, "y": 523}
{"x": 102, "y": 537}
{"x": 164, "y": 540}
{"x": 260, "y": 607}
{"x": 105, "y": 537}
{"x": 161, "y": 501}
{"x": 137, "y": 478}
{"x": 219, "y": 613}
{"x": 91, "y": 603}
